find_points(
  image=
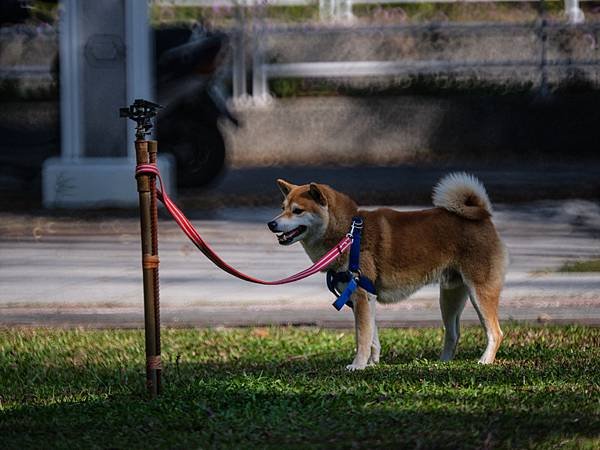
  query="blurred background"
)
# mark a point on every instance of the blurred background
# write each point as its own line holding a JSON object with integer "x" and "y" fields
{"x": 377, "y": 99}
{"x": 420, "y": 86}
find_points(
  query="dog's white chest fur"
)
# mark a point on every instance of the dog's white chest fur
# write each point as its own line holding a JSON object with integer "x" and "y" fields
{"x": 398, "y": 294}
{"x": 405, "y": 288}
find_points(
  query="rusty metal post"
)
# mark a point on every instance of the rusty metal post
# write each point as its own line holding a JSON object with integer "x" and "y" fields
{"x": 142, "y": 112}
{"x": 146, "y": 184}
{"x": 152, "y": 156}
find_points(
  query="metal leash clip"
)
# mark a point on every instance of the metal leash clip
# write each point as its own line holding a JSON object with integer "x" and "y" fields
{"x": 356, "y": 225}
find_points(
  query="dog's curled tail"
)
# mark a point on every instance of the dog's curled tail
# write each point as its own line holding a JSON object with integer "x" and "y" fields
{"x": 462, "y": 194}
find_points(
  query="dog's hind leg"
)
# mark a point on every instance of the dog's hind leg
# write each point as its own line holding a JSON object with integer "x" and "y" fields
{"x": 452, "y": 302}
{"x": 364, "y": 324}
{"x": 485, "y": 299}
{"x": 375, "y": 345}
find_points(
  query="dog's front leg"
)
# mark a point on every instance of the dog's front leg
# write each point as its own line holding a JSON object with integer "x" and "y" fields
{"x": 364, "y": 327}
{"x": 375, "y": 345}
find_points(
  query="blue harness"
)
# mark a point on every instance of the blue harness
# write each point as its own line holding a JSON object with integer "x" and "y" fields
{"x": 352, "y": 276}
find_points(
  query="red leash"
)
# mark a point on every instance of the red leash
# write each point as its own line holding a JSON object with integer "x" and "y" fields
{"x": 187, "y": 227}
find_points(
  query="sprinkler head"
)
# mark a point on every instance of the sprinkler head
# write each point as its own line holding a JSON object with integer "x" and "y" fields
{"x": 141, "y": 112}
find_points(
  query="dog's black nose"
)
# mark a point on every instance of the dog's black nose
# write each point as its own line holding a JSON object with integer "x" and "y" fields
{"x": 272, "y": 225}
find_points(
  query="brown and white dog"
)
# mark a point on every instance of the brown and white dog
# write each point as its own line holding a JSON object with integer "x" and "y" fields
{"x": 454, "y": 243}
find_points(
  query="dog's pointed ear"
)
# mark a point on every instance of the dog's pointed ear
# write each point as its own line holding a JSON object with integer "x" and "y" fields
{"x": 317, "y": 195}
{"x": 284, "y": 186}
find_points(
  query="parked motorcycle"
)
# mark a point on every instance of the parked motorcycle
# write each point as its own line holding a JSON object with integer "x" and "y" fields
{"x": 190, "y": 87}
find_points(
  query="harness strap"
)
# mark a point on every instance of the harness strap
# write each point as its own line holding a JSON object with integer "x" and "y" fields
{"x": 189, "y": 230}
{"x": 356, "y": 232}
{"x": 345, "y": 297}
{"x": 352, "y": 276}
{"x": 334, "y": 278}
{"x": 367, "y": 285}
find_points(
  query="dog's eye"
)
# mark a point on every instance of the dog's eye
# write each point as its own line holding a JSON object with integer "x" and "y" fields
{"x": 297, "y": 211}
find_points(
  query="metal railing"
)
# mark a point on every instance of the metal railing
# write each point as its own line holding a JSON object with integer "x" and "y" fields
{"x": 263, "y": 71}
{"x": 26, "y": 71}
{"x": 251, "y": 35}
{"x": 343, "y": 9}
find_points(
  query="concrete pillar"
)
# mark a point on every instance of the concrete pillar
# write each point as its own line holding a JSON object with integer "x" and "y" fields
{"x": 105, "y": 63}
{"x": 574, "y": 12}
{"x": 327, "y": 9}
{"x": 335, "y": 10}
{"x": 70, "y": 81}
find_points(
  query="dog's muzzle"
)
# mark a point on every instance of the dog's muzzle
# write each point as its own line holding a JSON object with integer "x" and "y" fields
{"x": 287, "y": 237}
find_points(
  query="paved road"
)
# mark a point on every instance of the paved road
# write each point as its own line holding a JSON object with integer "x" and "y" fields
{"x": 68, "y": 272}
{"x": 403, "y": 185}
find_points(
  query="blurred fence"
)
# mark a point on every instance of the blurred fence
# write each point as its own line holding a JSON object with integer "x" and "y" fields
{"x": 343, "y": 9}
{"x": 21, "y": 71}
{"x": 337, "y": 47}
{"x": 254, "y": 37}
{"x": 28, "y": 52}
{"x": 530, "y": 52}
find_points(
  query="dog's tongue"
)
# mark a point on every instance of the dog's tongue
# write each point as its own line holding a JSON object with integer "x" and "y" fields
{"x": 289, "y": 234}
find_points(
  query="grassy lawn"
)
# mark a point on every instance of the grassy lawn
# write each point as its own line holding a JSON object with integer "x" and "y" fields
{"x": 589, "y": 265}
{"x": 286, "y": 388}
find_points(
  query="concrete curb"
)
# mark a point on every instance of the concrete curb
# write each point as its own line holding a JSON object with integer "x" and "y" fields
{"x": 235, "y": 316}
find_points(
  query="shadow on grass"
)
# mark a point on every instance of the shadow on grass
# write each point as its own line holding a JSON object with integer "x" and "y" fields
{"x": 248, "y": 419}
{"x": 288, "y": 388}
{"x": 310, "y": 402}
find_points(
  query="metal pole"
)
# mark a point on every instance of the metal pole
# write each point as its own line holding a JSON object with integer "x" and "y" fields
{"x": 543, "y": 50}
{"x": 146, "y": 184}
{"x": 239, "y": 54}
{"x": 574, "y": 13}
{"x": 260, "y": 90}
{"x": 259, "y": 79}
{"x": 142, "y": 112}
{"x": 152, "y": 154}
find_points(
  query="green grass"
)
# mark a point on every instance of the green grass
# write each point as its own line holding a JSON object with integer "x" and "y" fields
{"x": 590, "y": 265}
{"x": 286, "y": 388}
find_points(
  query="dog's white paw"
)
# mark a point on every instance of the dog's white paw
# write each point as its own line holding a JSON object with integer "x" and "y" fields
{"x": 486, "y": 361}
{"x": 373, "y": 359}
{"x": 352, "y": 367}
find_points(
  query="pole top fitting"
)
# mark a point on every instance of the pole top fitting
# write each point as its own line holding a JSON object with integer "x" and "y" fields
{"x": 141, "y": 112}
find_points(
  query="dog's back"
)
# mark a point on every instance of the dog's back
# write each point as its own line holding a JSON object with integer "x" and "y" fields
{"x": 413, "y": 248}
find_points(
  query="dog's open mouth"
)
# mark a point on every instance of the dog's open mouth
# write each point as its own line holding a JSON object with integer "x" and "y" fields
{"x": 288, "y": 238}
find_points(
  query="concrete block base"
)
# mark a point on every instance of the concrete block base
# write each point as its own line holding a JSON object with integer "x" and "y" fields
{"x": 97, "y": 182}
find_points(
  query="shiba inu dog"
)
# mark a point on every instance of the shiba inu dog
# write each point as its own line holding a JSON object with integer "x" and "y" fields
{"x": 454, "y": 243}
